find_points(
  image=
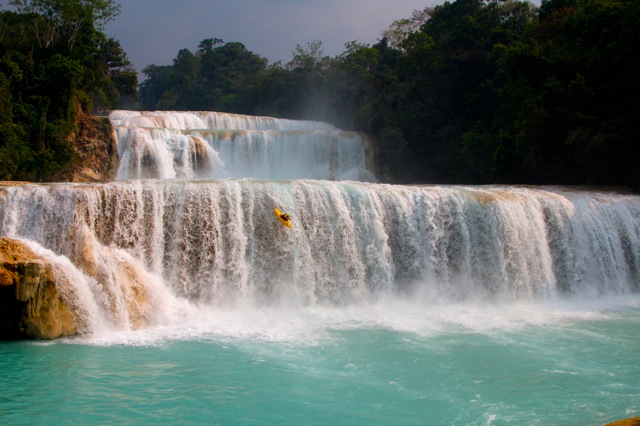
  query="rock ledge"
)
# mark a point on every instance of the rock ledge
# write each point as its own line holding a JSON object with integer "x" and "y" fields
{"x": 31, "y": 305}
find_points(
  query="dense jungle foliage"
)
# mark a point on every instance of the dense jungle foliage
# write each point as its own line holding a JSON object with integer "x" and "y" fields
{"x": 470, "y": 91}
{"x": 55, "y": 62}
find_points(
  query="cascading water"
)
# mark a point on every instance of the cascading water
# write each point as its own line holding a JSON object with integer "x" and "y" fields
{"x": 218, "y": 145}
{"x": 218, "y": 243}
{"x": 150, "y": 245}
{"x": 428, "y": 304}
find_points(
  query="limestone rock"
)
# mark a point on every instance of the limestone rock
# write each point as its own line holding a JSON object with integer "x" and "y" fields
{"x": 30, "y": 304}
{"x": 97, "y": 150}
{"x": 635, "y": 421}
{"x": 371, "y": 154}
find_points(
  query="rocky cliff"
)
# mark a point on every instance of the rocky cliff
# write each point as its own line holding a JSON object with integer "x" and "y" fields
{"x": 97, "y": 151}
{"x": 31, "y": 303}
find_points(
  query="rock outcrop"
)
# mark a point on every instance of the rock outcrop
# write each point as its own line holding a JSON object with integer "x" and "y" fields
{"x": 31, "y": 305}
{"x": 97, "y": 150}
{"x": 371, "y": 154}
{"x": 635, "y": 421}
{"x": 40, "y": 297}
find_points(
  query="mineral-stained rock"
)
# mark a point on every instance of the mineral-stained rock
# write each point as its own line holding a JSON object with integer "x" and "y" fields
{"x": 96, "y": 147}
{"x": 31, "y": 305}
{"x": 635, "y": 421}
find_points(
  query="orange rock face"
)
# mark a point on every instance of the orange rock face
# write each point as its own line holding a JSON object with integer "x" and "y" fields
{"x": 31, "y": 305}
{"x": 95, "y": 144}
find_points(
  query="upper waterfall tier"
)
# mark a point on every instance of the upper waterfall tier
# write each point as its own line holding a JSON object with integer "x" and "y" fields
{"x": 171, "y": 144}
{"x": 199, "y": 120}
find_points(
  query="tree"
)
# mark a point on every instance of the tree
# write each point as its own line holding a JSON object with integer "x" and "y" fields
{"x": 157, "y": 82}
{"x": 221, "y": 76}
{"x": 400, "y": 29}
{"x": 309, "y": 59}
{"x": 471, "y": 91}
{"x": 54, "y": 63}
{"x": 55, "y": 19}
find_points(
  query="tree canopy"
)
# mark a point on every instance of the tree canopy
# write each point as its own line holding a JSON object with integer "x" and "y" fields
{"x": 470, "y": 91}
{"x": 54, "y": 62}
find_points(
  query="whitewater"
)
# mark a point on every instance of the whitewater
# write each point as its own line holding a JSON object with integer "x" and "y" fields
{"x": 383, "y": 304}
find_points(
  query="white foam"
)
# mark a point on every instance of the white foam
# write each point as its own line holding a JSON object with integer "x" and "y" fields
{"x": 309, "y": 326}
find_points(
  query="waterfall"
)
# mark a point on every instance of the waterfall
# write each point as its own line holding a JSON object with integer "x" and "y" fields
{"x": 166, "y": 145}
{"x": 202, "y": 232}
{"x": 218, "y": 242}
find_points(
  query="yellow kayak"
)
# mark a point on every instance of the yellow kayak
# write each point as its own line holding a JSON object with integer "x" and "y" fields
{"x": 286, "y": 220}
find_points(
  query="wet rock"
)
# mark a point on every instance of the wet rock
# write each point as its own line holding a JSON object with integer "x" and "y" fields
{"x": 95, "y": 144}
{"x": 31, "y": 305}
{"x": 634, "y": 421}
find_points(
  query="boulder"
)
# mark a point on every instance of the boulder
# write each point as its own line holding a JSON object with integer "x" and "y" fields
{"x": 31, "y": 305}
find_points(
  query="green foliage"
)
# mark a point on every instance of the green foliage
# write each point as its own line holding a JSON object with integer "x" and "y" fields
{"x": 500, "y": 91}
{"x": 63, "y": 21}
{"x": 54, "y": 62}
{"x": 471, "y": 91}
{"x": 218, "y": 76}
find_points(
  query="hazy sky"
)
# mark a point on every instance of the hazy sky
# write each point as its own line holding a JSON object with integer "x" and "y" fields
{"x": 152, "y": 31}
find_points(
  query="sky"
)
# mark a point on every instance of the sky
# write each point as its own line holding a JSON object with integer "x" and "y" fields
{"x": 153, "y": 31}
